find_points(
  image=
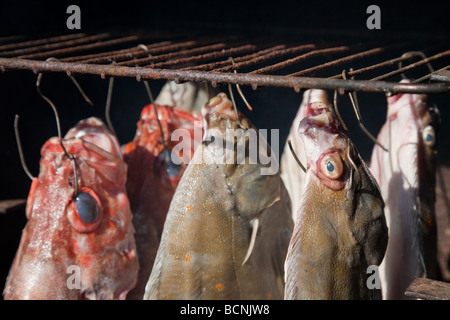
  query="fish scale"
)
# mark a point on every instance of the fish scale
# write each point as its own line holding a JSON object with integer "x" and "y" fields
{"x": 406, "y": 176}
{"x": 216, "y": 230}
{"x": 55, "y": 236}
{"x": 340, "y": 228}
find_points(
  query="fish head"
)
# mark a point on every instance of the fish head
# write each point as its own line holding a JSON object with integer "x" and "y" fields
{"x": 340, "y": 217}
{"x": 155, "y": 148}
{"x": 326, "y": 147}
{"x": 77, "y": 246}
{"x": 339, "y": 182}
{"x": 419, "y": 123}
{"x": 232, "y": 141}
{"x": 412, "y": 128}
{"x": 220, "y": 123}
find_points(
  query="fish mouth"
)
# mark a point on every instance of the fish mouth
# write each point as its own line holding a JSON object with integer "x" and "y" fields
{"x": 318, "y": 115}
{"x": 315, "y": 108}
{"x": 315, "y": 95}
{"x": 220, "y": 105}
{"x": 93, "y": 130}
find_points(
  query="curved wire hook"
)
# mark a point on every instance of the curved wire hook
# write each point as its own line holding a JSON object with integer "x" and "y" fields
{"x": 230, "y": 89}
{"x": 412, "y": 54}
{"x": 336, "y": 111}
{"x": 354, "y": 101}
{"x": 58, "y": 127}
{"x": 75, "y": 82}
{"x": 19, "y": 147}
{"x": 239, "y": 89}
{"x": 295, "y": 156}
{"x": 108, "y": 105}
{"x": 152, "y": 101}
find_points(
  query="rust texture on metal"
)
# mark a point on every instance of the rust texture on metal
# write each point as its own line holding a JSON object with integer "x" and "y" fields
{"x": 428, "y": 289}
{"x": 441, "y": 75}
{"x": 7, "y": 206}
{"x": 215, "y": 77}
{"x": 258, "y": 61}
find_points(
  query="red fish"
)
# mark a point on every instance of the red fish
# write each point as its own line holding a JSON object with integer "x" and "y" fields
{"x": 77, "y": 246}
{"x": 153, "y": 177}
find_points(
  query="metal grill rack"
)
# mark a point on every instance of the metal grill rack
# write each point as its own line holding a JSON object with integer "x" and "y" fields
{"x": 370, "y": 65}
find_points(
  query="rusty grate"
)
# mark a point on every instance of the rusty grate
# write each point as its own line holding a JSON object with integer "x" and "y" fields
{"x": 369, "y": 64}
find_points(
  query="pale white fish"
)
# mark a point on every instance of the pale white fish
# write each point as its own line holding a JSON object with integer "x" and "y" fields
{"x": 406, "y": 176}
{"x": 189, "y": 96}
{"x": 291, "y": 173}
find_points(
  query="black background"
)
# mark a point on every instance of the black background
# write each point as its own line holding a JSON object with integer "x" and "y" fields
{"x": 274, "y": 107}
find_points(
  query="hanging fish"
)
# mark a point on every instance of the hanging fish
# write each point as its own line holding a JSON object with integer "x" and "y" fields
{"x": 291, "y": 173}
{"x": 407, "y": 179}
{"x": 77, "y": 245}
{"x": 340, "y": 228}
{"x": 228, "y": 225}
{"x": 153, "y": 177}
{"x": 189, "y": 96}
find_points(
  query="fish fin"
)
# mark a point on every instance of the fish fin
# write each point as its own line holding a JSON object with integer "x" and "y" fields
{"x": 255, "y": 224}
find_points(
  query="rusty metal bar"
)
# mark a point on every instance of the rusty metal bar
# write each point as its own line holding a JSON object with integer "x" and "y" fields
{"x": 7, "y": 206}
{"x": 373, "y": 67}
{"x": 428, "y": 289}
{"x": 11, "y": 39}
{"x": 386, "y": 63}
{"x": 297, "y": 83}
{"x": 30, "y": 43}
{"x": 207, "y": 56}
{"x": 71, "y": 50}
{"x": 171, "y": 55}
{"x": 302, "y": 57}
{"x": 411, "y": 66}
{"x": 336, "y": 62}
{"x": 351, "y": 58}
{"x": 152, "y": 49}
{"x": 268, "y": 56}
{"x": 114, "y": 55}
{"x": 442, "y": 75}
{"x": 25, "y": 52}
{"x": 218, "y": 64}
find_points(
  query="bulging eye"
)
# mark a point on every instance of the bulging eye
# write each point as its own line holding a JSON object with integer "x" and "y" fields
{"x": 173, "y": 167}
{"x": 331, "y": 166}
{"x": 428, "y": 136}
{"x": 85, "y": 211}
{"x": 87, "y": 207}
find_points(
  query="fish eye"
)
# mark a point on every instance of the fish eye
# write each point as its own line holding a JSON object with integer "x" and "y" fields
{"x": 331, "y": 166}
{"x": 87, "y": 207}
{"x": 428, "y": 136}
{"x": 85, "y": 211}
{"x": 172, "y": 169}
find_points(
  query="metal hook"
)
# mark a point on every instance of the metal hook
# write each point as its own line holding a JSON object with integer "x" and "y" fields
{"x": 155, "y": 109}
{"x": 295, "y": 156}
{"x": 75, "y": 82}
{"x": 239, "y": 89}
{"x": 230, "y": 89}
{"x": 354, "y": 101}
{"x": 411, "y": 54}
{"x": 58, "y": 127}
{"x": 149, "y": 92}
{"x": 336, "y": 111}
{"x": 108, "y": 105}
{"x": 19, "y": 147}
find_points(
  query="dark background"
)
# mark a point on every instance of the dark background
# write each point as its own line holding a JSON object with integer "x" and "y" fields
{"x": 274, "y": 107}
